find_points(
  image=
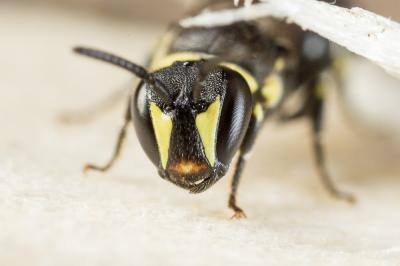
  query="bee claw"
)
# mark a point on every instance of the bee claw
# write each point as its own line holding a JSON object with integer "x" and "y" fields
{"x": 238, "y": 215}
{"x": 349, "y": 198}
{"x": 86, "y": 168}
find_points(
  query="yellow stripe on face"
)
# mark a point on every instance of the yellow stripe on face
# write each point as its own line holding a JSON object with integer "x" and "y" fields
{"x": 272, "y": 90}
{"x": 251, "y": 81}
{"x": 178, "y": 56}
{"x": 206, "y": 124}
{"x": 162, "y": 125}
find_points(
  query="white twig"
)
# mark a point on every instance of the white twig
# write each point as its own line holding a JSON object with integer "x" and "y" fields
{"x": 362, "y": 32}
{"x": 246, "y": 2}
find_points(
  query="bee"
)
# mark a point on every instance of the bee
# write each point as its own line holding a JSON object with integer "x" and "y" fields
{"x": 207, "y": 92}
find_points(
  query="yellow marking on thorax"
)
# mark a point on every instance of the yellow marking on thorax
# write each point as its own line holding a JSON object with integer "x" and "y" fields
{"x": 279, "y": 65}
{"x": 168, "y": 60}
{"x": 273, "y": 87}
{"x": 207, "y": 123}
{"x": 258, "y": 112}
{"x": 162, "y": 125}
{"x": 248, "y": 77}
{"x": 162, "y": 48}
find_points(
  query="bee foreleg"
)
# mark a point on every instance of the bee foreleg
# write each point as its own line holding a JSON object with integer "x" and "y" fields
{"x": 117, "y": 149}
{"x": 245, "y": 148}
{"x": 239, "y": 213}
{"x": 316, "y": 116}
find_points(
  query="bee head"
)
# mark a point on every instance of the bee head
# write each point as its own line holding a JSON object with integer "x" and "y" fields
{"x": 193, "y": 139}
{"x": 190, "y": 122}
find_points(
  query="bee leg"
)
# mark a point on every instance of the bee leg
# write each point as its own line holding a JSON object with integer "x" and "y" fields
{"x": 315, "y": 116}
{"x": 117, "y": 149}
{"x": 245, "y": 148}
{"x": 239, "y": 213}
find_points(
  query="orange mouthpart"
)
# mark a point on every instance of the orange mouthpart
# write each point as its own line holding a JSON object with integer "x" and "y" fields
{"x": 188, "y": 167}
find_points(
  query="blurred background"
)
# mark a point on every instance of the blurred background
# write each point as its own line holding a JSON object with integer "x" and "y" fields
{"x": 50, "y": 214}
{"x": 157, "y": 11}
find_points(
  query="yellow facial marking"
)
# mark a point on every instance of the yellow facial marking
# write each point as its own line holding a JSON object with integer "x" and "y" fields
{"x": 258, "y": 112}
{"x": 168, "y": 60}
{"x": 272, "y": 90}
{"x": 251, "y": 81}
{"x": 162, "y": 125}
{"x": 206, "y": 124}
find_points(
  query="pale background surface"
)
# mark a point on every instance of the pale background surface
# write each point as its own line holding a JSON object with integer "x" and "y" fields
{"x": 50, "y": 214}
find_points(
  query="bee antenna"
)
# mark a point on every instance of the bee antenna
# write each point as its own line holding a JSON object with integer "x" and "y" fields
{"x": 137, "y": 70}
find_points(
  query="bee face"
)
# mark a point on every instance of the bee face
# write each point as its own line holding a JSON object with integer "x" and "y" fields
{"x": 193, "y": 140}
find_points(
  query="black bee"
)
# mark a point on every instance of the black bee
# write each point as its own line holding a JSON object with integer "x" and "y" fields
{"x": 208, "y": 91}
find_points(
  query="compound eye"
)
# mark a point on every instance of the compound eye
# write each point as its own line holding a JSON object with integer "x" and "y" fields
{"x": 142, "y": 120}
{"x": 235, "y": 116}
